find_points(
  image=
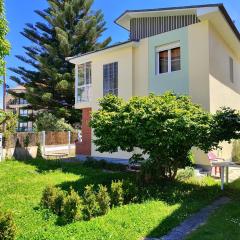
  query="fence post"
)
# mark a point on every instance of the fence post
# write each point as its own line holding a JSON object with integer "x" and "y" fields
{"x": 69, "y": 142}
{"x": 43, "y": 141}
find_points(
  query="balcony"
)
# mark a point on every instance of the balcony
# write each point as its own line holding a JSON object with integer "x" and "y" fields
{"x": 17, "y": 103}
{"x": 84, "y": 94}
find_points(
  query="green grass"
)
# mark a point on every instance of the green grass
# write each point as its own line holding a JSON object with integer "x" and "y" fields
{"x": 224, "y": 224}
{"x": 21, "y": 186}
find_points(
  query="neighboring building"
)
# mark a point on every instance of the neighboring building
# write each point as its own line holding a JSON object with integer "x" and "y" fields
{"x": 192, "y": 50}
{"x": 18, "y": 106}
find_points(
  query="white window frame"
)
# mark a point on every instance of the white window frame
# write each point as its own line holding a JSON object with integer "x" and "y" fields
{"x": 86, "y": 86}
{"x": 167, "y": 47}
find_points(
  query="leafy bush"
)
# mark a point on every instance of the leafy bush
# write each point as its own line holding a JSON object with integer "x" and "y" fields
{"x": 26, "y": 141}
{"x": 130, "y": 192}
{"x": 73, "y": 207}
{"x": 48, "y": 197}
{"x": 164, "y": 127}
{"x": 91, "y": 205}
{"x": 102, "y": 164}
{"x": 39, "y": 151}
{"x": 59, "y": 201}
{"x": 117, "y": 196}
{"x": 7, "y": 226}
{"x": 103, "y": 199}
{"x": 184, "y": 174}
{"x": 48, "y": 122}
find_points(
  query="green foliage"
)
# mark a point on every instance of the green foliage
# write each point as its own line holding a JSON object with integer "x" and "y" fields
{"x": 73, "y": 207}
{"x": 4, "y": 44}
{"x": 185, "y": 174}
{"x": 170, "y": 202}
{"x": 117, "y": 195}
{"x": 131, "y": 192}
{"x": 102, "y": 164}
{"x": 10, "y": 121}
{"x": 59, "y": 202}
{"x": 26, "y": 141}
{"x": 39, "y": 151}
{"x": 164, "y": 127}
{"x": 68, "y": 28}
{"x": 103, "y": 199}
{"x": 48, "y": 197}
{"x": 7, "y": 226}
{"x": 48, "y": 122}
{"x": 91, "y": 204}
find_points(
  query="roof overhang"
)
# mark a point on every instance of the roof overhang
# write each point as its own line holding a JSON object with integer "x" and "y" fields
{"x": 223, "y": 24}
{"x": 79, "y": 59}
{"x": 216, "y": 14}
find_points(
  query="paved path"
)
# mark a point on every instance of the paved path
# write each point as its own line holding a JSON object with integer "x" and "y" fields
{"x": 192, "y": 223}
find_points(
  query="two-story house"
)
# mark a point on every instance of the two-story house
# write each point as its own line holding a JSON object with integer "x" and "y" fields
{"x": 193, "y": 50}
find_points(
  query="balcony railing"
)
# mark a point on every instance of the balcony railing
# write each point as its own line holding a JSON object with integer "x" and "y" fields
{"x": 84, "y": 93}
{"x": 18, "y": 101}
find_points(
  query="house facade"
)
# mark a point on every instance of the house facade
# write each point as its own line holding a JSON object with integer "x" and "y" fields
{"x": 19, "y": 106}
{"x": 192, "y": 50}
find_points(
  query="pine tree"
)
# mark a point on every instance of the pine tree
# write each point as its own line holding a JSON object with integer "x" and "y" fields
{"x": 69, "y": 28}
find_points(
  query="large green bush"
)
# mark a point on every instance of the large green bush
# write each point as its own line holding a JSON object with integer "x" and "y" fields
{"x": 164, "y": 128}
{"x": 7, "y": 226}
{"x": 48, "y": 122}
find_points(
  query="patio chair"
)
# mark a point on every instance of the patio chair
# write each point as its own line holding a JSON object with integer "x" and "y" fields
{"x": 213, "y": 158}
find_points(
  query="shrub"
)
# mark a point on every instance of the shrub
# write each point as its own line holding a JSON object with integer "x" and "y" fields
{"x": 58, "y": 203}
{"x": 7, "y": 226}
{"x": 73, "y": 206}
{"x": 103, "y": 199}
{"x": 184, "y": 174}
{"x": 117, "y": 193}
{"x": 39, "y": 151}
{"x": 130, "y": 192}
{"x": 91, "y": 205}
{"x": 48, "y": 197}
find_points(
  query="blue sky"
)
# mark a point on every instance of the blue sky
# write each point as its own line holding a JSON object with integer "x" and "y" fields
{"x": 21, "y": 12}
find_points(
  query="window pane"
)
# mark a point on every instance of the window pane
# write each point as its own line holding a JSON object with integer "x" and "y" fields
{"x": 81, "y": 75}
{"x": 163, "y": 62}
{"x": 110, "y": 79}
{"x": 175, "y": 59}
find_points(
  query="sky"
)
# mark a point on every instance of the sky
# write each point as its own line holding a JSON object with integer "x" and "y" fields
{"x": 21, "y": 12}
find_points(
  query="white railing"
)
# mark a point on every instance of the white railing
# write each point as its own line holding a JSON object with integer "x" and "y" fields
{"x": 84, "y": 93}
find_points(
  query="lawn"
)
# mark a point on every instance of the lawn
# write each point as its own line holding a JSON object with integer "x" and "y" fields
{"x": 224, "y": 224}
{"x": 21, "y": 186}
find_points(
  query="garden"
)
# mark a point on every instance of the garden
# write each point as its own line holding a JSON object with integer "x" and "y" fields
{"x": 156, "y": 211}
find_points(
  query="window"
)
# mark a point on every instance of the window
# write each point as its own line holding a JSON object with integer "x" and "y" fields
{"x": 22, "y": 101}
{"x": 23, "y": 112}
{"x": 84, "y": 82}
{"x": 231, "y": 65}
{"x": 110, "y": 79}
{"x": 168, "y": 59}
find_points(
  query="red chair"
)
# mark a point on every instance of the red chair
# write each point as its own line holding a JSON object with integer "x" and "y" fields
{"x": 213, "y": 158}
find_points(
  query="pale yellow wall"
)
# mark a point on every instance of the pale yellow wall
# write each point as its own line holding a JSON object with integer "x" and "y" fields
{"x": 199, "y": 63}
{"x": 140, "y": 69}
{"x": 198, "y": 43}
{"x": 222, "y": 91}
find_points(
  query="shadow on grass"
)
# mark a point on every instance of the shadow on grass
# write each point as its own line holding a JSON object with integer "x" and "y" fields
{"x": 191, "y": 196}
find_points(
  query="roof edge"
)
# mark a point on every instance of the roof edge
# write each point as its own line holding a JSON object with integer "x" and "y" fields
{"x": 100, "y": 50}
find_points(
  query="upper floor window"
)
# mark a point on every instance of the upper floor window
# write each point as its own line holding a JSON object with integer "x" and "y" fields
{"x": 23, "y": 112}
{"x": 231, "y": 65}
{"x": 23, "y": 101}
{"x": 168, "y": 59}
{"x": 110, "y": 79}
{"x": 84, "y": 82}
